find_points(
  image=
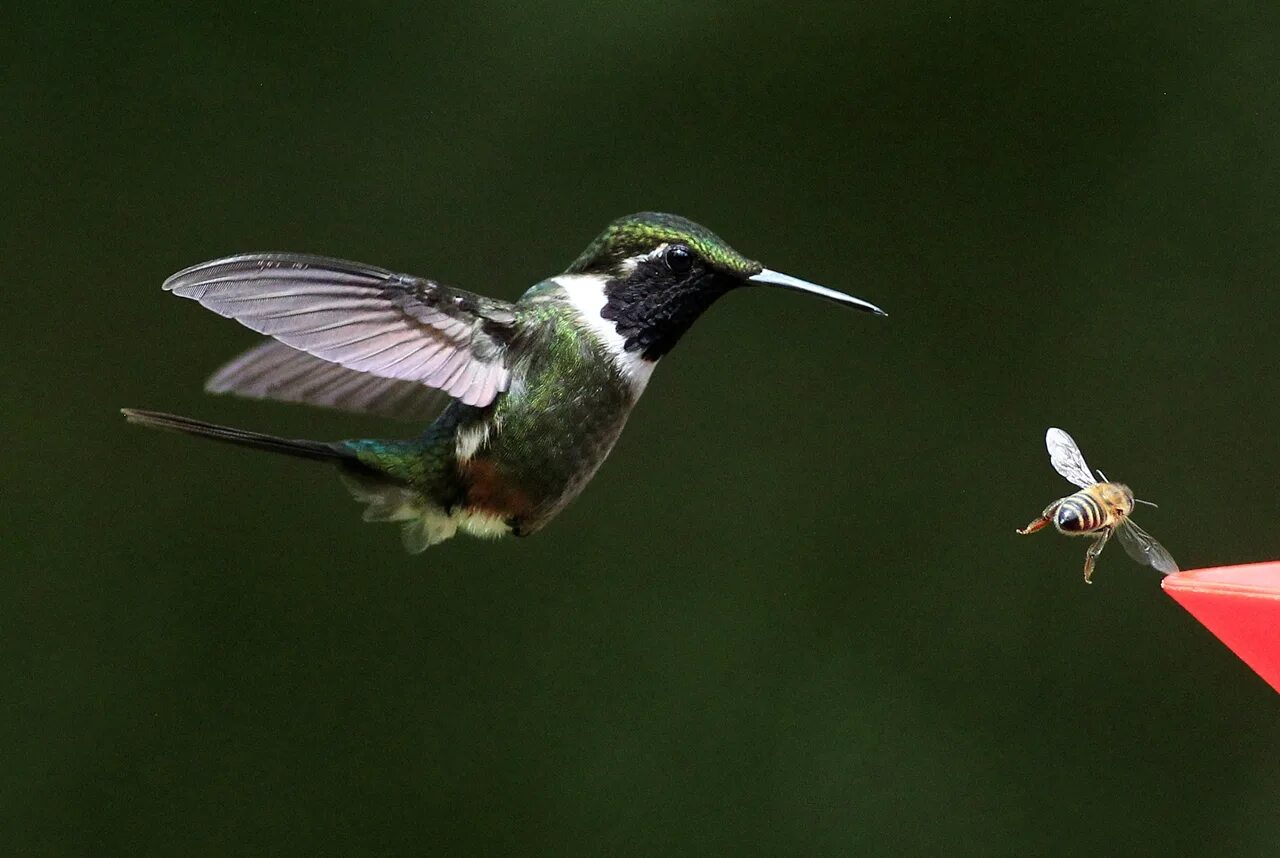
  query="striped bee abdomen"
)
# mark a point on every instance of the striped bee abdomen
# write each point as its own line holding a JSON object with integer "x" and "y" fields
{"x": 1079, "y": 513}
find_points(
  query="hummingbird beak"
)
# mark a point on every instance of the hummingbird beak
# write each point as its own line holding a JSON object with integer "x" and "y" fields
{"x": 786, "y": 281}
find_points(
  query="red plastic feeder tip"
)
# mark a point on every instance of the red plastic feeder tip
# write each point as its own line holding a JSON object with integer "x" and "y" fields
{"x": 1239, "y": 604}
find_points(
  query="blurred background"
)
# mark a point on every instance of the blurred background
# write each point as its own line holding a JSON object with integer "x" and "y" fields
{"x": 790, "y": 615}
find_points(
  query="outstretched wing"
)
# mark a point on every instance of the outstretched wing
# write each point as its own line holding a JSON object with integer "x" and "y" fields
{"x": 1066, "y": 458}
{"x": 1139, "y": 545}
{"x": 363, "y": 318}
{"x": 272, "y": 370}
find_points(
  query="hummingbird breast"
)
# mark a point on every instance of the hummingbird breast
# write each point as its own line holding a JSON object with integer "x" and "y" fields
{"x": 530, "y": 453}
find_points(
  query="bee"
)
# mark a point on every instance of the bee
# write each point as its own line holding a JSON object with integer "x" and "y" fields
{"x": 1099, "y": 509}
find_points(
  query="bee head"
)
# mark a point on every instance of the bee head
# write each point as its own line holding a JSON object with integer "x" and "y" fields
{"x": 1123, "y": 498}
{"x": 1117, "y": 496}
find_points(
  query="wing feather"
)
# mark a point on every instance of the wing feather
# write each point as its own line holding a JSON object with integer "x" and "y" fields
{"x": 362, "y": 318}
{"x": 272, "y": 370}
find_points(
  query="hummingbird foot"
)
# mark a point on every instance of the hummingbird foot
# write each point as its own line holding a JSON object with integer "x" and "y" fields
{"x": 423, "y": 523}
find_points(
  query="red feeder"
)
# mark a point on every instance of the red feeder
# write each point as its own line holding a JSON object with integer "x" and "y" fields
{"x": 1239, "y": 604}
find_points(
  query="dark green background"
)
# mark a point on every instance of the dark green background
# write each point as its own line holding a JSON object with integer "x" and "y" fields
{"x": 790, "y": 615}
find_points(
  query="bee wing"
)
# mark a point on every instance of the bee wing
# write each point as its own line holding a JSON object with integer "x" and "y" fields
{"x": 1139, "y": 545}
{"x": 1066, "y": 458}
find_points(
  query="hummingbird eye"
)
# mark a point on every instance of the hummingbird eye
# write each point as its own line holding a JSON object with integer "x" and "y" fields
{"x": 679, "y": 258}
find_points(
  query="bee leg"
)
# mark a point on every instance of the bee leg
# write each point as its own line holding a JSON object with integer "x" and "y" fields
{"x": 1091, "y": 556}
{"x": 1045, "y": 518}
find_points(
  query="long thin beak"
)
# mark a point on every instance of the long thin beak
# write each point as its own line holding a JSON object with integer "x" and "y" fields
{"x": 786, "y": 281}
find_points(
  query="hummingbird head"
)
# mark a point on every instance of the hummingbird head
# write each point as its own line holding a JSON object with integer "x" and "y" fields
{"x": 659, "y": 272}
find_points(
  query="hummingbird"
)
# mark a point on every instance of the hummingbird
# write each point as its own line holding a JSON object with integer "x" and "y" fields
{"x": 525, "y": 399}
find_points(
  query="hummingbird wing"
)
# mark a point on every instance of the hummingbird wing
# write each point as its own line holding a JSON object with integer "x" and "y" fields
{"x": 362, "y": 317}
{"x": 272, "y": 370}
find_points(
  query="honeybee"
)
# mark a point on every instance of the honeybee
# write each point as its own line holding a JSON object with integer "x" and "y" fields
{"x": 1098, "y": 510}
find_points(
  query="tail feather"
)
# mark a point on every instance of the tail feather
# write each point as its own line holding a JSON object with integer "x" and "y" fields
{"x": 388, "y": 497}
{"x": 315, "y": 450}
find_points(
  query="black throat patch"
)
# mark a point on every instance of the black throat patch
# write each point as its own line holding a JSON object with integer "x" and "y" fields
{"x": 651, "y": 309}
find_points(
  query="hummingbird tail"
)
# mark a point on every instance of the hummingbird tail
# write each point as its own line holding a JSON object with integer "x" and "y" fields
{"x": 386, "y": 492}
{"x": 315, "y": 450}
